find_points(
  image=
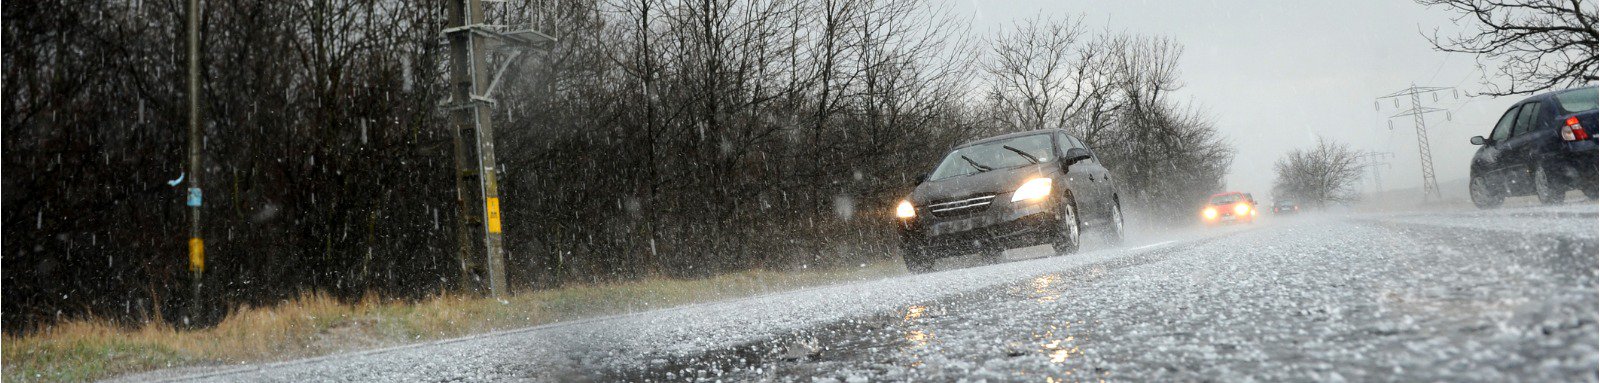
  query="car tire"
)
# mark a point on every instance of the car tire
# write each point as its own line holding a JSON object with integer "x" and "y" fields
{"x": 917, "y": 260}
{"x": 1115, "y": 231}
{"x": 1483, "y": 196}
{"x": 1550, "y": 188}
{"x": 1069, "y": 228}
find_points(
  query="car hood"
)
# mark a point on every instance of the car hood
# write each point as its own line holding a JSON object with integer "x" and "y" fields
{"x": 998, "y": 181}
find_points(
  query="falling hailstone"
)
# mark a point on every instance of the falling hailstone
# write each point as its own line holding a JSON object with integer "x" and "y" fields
{"x": 633, "y": 206}
{"x": 844, "y": 206}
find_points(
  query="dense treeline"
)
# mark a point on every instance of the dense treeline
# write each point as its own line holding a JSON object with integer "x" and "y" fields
{"x": 656, "y": 138}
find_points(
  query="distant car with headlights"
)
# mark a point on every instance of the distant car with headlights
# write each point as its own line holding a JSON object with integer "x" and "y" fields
{"x": 1010, "y": 191}
{"x": 1230, "y": 207}
{"x": 1544, "y": 145}
{"x": 1284, "y": 206}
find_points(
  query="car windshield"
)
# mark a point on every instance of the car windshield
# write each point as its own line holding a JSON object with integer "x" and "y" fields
{"x": 999, "y": 154}
{"x": 1578, "y": 100}
{"x": 1225, "y": 199}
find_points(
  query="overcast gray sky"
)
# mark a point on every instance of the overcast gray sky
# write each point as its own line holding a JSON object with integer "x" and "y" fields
{"x": 1275, "y": 75}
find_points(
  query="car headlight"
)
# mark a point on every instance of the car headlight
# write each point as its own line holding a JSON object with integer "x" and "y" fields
{"x": 905, "y": 210}
{"x": 1210, "y": 213}
{"x": 1241, "y": 209}
{"x": 1033, "y": 189}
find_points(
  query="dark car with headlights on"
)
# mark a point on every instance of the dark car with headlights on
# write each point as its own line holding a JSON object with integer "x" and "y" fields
{"x": 1284, "y": 206}
{"x": 1010, "y": 191}
{"x": 1544, "y": 145}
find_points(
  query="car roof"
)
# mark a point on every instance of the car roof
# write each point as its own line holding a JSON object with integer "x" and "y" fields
{"x": 1007, "y": 137}
{"x": 1225, "y": 193}
{"x": 1553, "y": 93}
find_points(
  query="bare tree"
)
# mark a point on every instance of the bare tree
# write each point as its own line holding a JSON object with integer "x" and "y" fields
{"x": 1168, "y": 155}
{"x": 1535, "y": 44}
{"x": 1111, "y": 91}
{"x": 1325, "y": 174}
{"x": 1043, "y": 74}
{"x": 682, "y": 138}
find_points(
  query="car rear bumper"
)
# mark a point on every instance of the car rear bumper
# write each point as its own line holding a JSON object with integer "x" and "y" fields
{"x": 998, "y": 228}
{"x": 1578, "y": 160}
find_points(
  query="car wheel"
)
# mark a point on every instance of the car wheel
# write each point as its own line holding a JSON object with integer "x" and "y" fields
{"x": 1548, "y": 186}
{"x": 1069, "y": 228}
{"x": 1114, "y": 233}
{"x": 917, "y": 260}
{"x": 1483, "y": 196}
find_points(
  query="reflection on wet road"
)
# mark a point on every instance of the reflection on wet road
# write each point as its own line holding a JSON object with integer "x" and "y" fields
{"x": 1503, "y": 295}
{"x": 909, "y": 344}
{"x": 1335, "y": 300}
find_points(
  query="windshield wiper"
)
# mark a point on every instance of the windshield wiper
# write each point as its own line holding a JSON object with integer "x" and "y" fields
{"x": 1022, "y": 153}
{"x": 976, "y": 165}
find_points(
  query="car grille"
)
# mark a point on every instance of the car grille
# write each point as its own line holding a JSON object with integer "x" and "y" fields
{"x": 960, "y": 207}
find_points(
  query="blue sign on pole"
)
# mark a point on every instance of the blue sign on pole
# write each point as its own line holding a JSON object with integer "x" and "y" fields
{"x": 194, "y": 197}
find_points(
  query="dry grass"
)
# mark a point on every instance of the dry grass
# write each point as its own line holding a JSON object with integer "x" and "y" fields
{"x": 316, "y": 324}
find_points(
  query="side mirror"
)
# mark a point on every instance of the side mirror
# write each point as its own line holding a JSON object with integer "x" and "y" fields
{"x": 1478, "y": 140}
{"x": 922, "y": 178}
{"x": 1074, "y": 155}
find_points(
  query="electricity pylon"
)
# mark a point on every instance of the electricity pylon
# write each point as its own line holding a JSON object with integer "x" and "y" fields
{"x": 1430, "y": 184}
{"x": 1371, "y": 161}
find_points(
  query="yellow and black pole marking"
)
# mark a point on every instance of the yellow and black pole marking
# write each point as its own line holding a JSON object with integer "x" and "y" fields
{"x": 197, "y": 255}
{"x": 492, "y": 212}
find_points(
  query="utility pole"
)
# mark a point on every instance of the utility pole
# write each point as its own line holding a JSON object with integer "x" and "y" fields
{"x": 197, "y": 245}
{"x": 1430, "y": 184}
{"x": 478, "y": 232}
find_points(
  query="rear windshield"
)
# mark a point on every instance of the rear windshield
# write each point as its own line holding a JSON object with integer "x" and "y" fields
{"x": 1577, "y": 100}
{"x": 1002, "y": 154}
{"x": 1224, "y": 199}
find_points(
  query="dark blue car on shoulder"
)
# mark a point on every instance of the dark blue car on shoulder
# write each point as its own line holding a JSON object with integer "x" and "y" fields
{"x": 1544, "y": 145}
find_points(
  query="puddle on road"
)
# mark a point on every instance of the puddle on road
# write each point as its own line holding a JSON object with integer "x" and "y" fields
{"x": 874, "y": 345}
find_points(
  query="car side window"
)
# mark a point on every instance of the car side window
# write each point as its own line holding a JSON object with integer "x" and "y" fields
{"x": 1067, "y": 142}
{"x": 1502, "y": 130}
{"x": 1526, "y": 119}
{"x": 1079, "y": 144}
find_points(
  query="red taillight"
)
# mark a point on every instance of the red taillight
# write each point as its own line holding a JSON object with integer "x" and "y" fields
{"x": 1573, "y": 131}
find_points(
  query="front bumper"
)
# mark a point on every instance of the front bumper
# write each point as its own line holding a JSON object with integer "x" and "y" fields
{"x": 1229, "y": 218}
{"x": 1003, "y": 225}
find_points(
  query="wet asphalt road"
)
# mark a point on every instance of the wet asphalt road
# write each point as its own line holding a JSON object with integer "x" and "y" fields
{"x": 1504, "y": 295}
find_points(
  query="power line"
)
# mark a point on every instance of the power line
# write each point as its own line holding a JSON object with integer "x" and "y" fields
{"x": 1430, "y": 183}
